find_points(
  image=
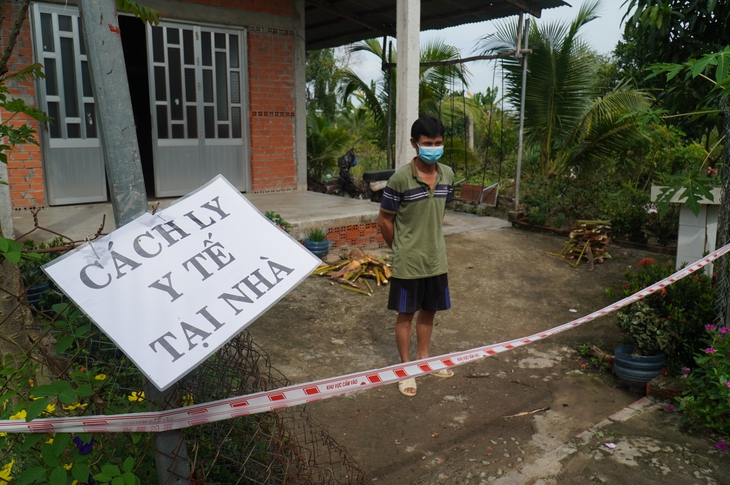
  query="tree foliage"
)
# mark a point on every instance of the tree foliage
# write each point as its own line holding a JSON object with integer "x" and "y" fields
{"x": 323, "y": 77}
{"x": 566, "y": 115}
{"x": 674, "y": 31}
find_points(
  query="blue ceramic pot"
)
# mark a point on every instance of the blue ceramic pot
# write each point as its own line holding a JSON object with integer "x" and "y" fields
{"x": 636, "y": 370}
{"x": 318, "y": 248}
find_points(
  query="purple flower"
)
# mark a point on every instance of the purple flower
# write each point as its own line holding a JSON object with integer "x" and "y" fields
{"x": 84, "y": 448}
{"x": 727, "y": 384}
{"x": 710, "y": 350}
{"x": 724, "y": 330}
{"x": 686, "y": 369}
{"x": 709, "y": 327}
{"x": 721, "y": 445}
{"x": 683, "y": 376}
{"x": 670, "y": 407}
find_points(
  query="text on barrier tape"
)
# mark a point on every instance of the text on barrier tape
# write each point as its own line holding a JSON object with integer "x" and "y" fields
{"x": 317, "y": 390}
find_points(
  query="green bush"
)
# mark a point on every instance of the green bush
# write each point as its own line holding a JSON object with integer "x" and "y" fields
{"x": 626, "y": 208}
{"x": 671, "y": 320}
{"x": 706, "y": 401}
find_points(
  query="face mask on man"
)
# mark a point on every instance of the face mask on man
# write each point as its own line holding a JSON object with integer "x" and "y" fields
{"x": 430, "y": 154}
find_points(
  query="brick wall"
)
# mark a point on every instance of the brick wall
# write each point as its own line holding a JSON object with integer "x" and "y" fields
{"x": 356, "y": 235}
{"x": 25, "y": 174}
{"x": 271, "y": 110}
{"x": 271, "y": 97}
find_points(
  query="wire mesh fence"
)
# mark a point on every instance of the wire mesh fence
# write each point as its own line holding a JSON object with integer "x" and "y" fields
{"x": 56, "y": 363}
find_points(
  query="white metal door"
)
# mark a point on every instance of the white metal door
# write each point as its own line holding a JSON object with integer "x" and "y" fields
{"x": 72, "y": 157}
{"x": 197, "y": 86}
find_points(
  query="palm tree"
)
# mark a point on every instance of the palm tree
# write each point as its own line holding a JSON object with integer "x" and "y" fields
{"x": 436, "y": 83}
{"x": 565, "y": 116}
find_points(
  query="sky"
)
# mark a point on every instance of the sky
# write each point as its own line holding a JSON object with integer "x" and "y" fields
{"x": 602, "y": 34}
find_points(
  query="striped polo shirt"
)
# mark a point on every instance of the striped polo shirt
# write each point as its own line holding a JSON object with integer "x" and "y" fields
{"x": 419, "y": 250}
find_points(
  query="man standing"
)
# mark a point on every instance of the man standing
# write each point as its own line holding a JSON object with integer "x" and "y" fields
{"x": 410, "y": 217}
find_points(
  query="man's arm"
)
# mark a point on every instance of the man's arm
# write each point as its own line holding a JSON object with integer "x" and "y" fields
{"x": 385, "y": 222}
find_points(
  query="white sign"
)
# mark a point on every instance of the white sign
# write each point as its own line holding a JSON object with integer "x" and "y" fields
{"x": 171, "y": 288}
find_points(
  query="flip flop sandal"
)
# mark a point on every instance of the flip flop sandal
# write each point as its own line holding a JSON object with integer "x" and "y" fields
{"x": 443, "y": 373}
{"x": 403, "y": 386}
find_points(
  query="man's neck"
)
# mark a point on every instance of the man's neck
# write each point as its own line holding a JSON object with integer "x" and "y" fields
{"x": 425, "y": 167}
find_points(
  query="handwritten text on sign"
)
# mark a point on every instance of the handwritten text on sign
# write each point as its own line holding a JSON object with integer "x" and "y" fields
{"x": 171, "y": 288}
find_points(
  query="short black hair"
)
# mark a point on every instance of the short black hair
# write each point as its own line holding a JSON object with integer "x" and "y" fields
{"x": 427, "y": 126}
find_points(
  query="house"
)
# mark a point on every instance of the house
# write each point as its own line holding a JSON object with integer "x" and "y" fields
{"x": 217, "y": 87}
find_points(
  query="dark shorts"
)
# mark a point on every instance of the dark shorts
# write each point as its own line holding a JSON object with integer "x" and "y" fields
{"x": 409, "y": 296}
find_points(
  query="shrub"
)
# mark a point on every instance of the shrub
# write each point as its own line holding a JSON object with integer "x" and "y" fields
{"x": 706, "y": 401}
{"x": 675, "y": 316}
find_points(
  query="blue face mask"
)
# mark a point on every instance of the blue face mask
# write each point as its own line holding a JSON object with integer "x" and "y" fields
{"x": 430, "y": 154}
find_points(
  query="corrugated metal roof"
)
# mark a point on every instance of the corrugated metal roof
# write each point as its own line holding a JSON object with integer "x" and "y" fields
{"x": 331, "y": 23}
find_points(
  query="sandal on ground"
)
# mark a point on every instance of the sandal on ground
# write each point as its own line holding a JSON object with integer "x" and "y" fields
{"x": 407, "y": 387}
{"x": 443, "y": 373}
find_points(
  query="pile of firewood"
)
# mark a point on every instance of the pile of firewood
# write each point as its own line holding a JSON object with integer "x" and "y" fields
{"x": 355, "y": 272}
{"x": 588, "y": 242}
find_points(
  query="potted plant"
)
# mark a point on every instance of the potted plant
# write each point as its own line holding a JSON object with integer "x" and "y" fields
{"x": 641, "y": 358}
{"x": 317, "y": 242}
{"x": 664, "y": 329}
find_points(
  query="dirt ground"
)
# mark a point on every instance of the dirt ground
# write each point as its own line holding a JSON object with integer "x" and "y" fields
{"x": 503, "y": 286}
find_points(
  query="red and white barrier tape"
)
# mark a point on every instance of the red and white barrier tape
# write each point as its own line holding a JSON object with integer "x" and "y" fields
{"x": 314, "y": 391}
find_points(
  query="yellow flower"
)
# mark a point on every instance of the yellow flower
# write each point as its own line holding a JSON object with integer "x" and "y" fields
{"x": 75, "y": 482}
{"x": 73, "y": 406}
{"x": 136, "y": 397}
{"x": 50, "y": 408}
{"x": 5, "y": 476}
{"x": 100, "y": 377}
{"x": 19, "y": 415}
{"x": 68, "y": 466}
{"x": 187, "y": 400}
{"x": 50, "y": 441}
{"x": 3, "y": 434}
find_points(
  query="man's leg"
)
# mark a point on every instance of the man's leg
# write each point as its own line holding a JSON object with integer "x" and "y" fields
{"x": 424, "y": 328}
{"x": 403, "y": 335}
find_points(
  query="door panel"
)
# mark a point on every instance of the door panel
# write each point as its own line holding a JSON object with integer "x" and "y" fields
{"x": 197, "y": 106}
{"x": 72, "y": 156}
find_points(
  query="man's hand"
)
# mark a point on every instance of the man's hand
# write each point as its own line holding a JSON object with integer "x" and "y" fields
{"x": 385, "y": 222}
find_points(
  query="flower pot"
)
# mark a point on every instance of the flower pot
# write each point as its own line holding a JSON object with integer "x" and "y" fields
{"x": 318, "y": 248}
{"x": 636, "y": 370}
{"x": 35, "y": 293}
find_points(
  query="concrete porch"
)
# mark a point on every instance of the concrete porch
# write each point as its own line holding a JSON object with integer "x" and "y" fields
{"x": 348, "y": 221}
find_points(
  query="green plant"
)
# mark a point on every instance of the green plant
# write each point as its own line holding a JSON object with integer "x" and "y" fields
{"x": 706, "y": 401}
{"x": 670, "y": 320}
{"x": 278, "y": 220}
{"x": 595, "y": 355}
{"x": 316, "y": 234}
{"x": 643, "y": 330}
{"x": 88, "y": 386}
{"x": 626, "y": 209}
{"x": 31, "y": 262}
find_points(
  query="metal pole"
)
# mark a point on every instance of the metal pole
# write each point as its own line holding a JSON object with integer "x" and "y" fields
{"x": 522, "y": 118}
{"x": 126, "y": 184}
{"x": 391, "y": 163}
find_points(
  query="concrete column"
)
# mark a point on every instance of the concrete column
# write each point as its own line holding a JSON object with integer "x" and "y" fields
{"x": 300, "y": 99}
{"x": 408, "y": 58}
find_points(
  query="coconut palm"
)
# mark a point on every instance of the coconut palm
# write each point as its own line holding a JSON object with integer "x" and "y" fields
{"x": 565, "y": 116}
{"x": 436, "y": 83}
